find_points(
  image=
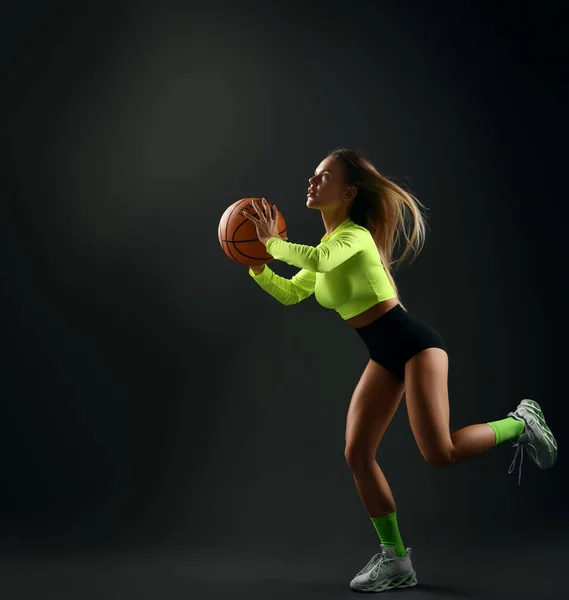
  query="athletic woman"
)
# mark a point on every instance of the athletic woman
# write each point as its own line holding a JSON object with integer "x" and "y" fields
{"x": 350, "y": 272}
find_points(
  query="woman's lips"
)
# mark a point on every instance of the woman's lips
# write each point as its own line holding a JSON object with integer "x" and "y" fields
{"x": 311, "y": 194}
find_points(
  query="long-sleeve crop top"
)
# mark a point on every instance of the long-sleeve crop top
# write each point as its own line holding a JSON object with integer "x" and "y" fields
{"x": 344, "y": 271}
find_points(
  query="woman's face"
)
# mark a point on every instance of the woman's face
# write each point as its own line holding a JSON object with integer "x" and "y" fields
{"x": 327, "y": 183}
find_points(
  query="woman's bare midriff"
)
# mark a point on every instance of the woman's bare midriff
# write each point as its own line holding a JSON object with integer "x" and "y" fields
{"x": 371, "y": 314}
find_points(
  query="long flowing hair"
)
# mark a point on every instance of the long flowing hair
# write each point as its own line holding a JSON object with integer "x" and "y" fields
{"x": 383, "y": 208}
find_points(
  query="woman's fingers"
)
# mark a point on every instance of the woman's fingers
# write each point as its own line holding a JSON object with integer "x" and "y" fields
{"x": 261, "y": 210}
{"x": 265, "y": 210}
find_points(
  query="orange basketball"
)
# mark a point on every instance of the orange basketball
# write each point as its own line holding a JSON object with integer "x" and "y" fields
{"x": 238, "y": 235}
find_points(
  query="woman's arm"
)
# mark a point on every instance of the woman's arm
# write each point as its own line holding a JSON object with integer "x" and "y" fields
{"x": 286, "y": 291}
{"x": 321, "y": 259}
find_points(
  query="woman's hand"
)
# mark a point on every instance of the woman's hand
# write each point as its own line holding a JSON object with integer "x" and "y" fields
{"x": 265, "y": 221}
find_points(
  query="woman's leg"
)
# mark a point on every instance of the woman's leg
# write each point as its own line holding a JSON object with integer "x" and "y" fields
{"x": 426, "y": 376}
{"x": 373, "y": 404}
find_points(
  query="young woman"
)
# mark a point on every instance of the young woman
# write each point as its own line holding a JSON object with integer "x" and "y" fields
{"x": 350, "y": 272}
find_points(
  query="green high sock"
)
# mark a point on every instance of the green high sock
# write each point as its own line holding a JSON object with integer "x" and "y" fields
{"x": 388, "y": 532}
{"x": 507, "y": 429}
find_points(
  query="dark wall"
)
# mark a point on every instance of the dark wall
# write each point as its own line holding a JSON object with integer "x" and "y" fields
{"x": 152, "y": 392}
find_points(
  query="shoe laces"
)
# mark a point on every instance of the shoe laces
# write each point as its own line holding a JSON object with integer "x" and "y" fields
{"x": 371, "y": 563}
{"x": 519, "y": 449}
{"x": 383, "y": 558}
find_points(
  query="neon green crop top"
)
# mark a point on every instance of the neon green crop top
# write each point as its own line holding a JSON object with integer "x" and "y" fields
{"x": 344, "y": 271}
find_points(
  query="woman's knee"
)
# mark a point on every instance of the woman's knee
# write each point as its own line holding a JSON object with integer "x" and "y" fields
{"x": 358, "y": 457}
{"x": 440, "y": 457}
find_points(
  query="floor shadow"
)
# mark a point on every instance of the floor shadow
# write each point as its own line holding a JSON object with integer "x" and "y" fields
{"x": 448, "y": 590}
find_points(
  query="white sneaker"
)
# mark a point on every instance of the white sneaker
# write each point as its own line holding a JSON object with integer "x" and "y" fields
{"x": 537, "y": 438}
{"x": 384, "y": 571}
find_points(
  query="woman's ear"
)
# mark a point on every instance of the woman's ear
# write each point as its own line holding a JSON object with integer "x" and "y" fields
{"x": 350, "y": 192}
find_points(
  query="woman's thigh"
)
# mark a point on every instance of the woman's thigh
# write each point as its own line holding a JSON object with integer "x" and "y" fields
{"x": 374, "y": 402}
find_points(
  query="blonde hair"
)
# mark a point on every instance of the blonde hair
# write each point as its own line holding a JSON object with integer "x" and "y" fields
{"x": 382, "y": 207}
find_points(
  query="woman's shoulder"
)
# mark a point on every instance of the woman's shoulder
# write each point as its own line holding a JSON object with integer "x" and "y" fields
{"x": 352, "y": 226}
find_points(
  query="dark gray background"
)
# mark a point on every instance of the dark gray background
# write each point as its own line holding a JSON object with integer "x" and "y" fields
{"x": 156, "y": 402}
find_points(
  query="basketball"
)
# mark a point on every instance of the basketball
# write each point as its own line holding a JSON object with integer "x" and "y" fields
{"x": 238, "y": 235}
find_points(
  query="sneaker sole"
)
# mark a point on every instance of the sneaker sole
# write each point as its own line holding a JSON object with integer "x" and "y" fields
{"x": 403, "y": 580}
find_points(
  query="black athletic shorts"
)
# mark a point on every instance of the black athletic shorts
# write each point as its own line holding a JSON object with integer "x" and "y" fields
{"x": 395, "y": 337}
